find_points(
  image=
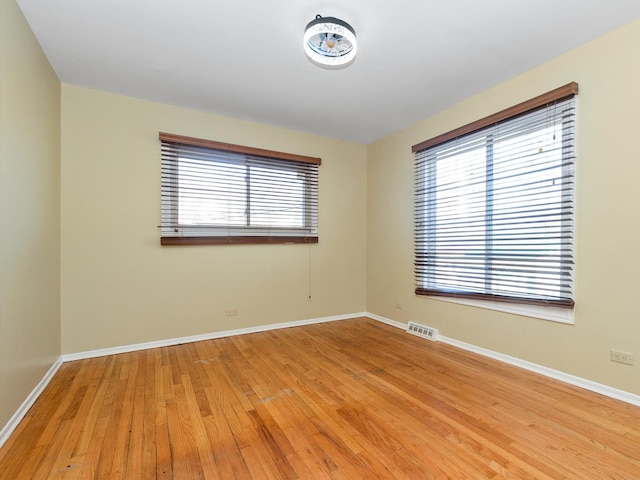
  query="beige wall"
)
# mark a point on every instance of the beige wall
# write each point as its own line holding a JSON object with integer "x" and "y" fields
{"x": 29, "y": 212}
{"x": 116, "y": 286}
{"x": 608, "y": 231}
{"x": 120, "y": 287}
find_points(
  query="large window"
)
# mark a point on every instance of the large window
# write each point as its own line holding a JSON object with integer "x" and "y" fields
{"x": 495, "y": 206}
{"x": 215, "y": 192}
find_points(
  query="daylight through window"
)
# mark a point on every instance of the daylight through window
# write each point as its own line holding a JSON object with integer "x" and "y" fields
{"x": 221, "y": 193}
{"x": 495, "y": 206}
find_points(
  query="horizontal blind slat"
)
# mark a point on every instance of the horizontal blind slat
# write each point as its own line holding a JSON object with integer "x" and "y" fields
{"x": 494, "y": 210}
{"x": 209, "y": 192}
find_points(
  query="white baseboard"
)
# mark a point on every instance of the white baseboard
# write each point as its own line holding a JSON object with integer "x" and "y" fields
{"x": 606, "y": 390}
{"x": 13, "y": 422}
{"x": 388, "y": 321}
{"x": 11, "y": 425}
{"x": 564, "y": 377}
{"x": 207, "y": 336}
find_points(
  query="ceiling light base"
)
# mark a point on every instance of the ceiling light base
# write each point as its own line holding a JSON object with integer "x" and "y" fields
{"x": 330, "y": 43}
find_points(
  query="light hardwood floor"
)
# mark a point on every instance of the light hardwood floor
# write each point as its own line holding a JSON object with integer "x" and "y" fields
{"x": 353, "y": 399}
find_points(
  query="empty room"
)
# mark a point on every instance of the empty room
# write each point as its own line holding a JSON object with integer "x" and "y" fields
{"x": 319, "y": 240}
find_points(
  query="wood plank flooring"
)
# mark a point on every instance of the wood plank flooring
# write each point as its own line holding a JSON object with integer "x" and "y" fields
{"x": 353, "y": 399}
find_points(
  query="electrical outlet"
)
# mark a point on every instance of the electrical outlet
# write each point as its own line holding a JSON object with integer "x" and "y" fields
{"x": 231, "y": 312}
{"x": 621, "y": 357}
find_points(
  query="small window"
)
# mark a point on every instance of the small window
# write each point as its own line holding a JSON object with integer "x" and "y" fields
{"x": 495, "y": 206}
{"x": 219, "y": 193}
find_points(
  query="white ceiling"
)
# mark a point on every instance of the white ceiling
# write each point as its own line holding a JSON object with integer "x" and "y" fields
{"x": 244, "y": 58}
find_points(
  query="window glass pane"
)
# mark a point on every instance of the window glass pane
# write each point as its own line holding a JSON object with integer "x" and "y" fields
{"x": 459, "y": 227}
{"x": 211, "y": 193}
{"x": 527, "y": 213}
{"x": 236, "y": 195}
{"x": 494, "y": 211}
{"x": 286, "y": 210}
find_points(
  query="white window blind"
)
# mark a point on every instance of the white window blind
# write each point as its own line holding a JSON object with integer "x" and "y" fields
{"x": 214, "y": 192}
{"x": 495, "y": 206}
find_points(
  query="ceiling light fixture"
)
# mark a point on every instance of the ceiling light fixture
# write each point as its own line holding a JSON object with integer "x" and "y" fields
{"x": 330, "y": 42}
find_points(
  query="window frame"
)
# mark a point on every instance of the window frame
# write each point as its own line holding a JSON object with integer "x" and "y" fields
{"x": 174, "y": 233}
{"x": 521, "y": 304}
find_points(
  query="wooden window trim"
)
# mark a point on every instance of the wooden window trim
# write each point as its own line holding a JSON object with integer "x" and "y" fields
{"x": 555, "y": 95}
{"x": 236, "y": 240}
{"x": 565, "y": 303}
{"x": 230, "y": 147}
